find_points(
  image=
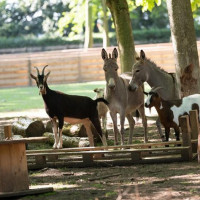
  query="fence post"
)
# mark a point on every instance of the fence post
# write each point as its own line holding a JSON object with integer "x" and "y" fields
{"x": 8, "y": 132}
{"x": 198, "y": 150}
{"x": 194, "y": 122}
{"x": 186, "y": 137}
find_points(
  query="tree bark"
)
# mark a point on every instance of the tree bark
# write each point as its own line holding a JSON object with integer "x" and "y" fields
{"x": 88, "y": 25}
{"x": 122, "y": 22}
{"x": 106, "y": 41}
{"x": 185, "y": 46}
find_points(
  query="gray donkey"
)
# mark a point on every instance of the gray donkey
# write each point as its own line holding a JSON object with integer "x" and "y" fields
{"x": 120, "y": 99}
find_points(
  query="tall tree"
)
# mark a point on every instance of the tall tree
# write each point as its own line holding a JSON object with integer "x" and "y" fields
{"x": 106, "y": 41}
{"x": 125, "y": 40}
{"x": 88, "y": 25}
{"x": 184, "y": 44}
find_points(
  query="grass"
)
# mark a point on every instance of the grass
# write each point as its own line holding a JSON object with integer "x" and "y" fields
{"x": 25, "y": 98}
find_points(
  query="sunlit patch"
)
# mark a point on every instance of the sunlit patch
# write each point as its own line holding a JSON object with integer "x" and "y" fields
{"x": 55, "y": 186}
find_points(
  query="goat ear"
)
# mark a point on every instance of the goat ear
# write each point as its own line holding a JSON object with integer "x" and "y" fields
{"x": 32, "y": 76}
{"x": 115, "y": 53}
{"x": 142, "y": 55}
{"x": 96, "y": 90}
{"x": 104, "y": 54}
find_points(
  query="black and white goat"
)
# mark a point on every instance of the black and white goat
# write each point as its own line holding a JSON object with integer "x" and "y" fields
{"x": 170, "y": 111}
{"x": 70, "y": 108}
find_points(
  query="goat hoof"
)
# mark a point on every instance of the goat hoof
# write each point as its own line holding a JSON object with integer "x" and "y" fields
{"x": 59, "y": 146}
{"x": 54, "y": 146}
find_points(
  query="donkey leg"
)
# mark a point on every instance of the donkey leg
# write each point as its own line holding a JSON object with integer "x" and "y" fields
{"x": 158, "y": 124}
{"x": 122, "y": 120}
{"x": 131, "y": 122}
{"x": 115, "y": 128}
{"x": 144, "y": 121}
{"x": 55, "y": 131}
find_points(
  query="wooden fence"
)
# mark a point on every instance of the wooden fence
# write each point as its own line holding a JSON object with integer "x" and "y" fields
{"x": 69, "y": 66}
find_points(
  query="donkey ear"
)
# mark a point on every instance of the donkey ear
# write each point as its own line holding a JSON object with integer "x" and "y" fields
{"x": 115, "y": 53}
{"x": 104, "y": 54}
{"x": 142, "y": 55}
{"x": 32, "y": 76}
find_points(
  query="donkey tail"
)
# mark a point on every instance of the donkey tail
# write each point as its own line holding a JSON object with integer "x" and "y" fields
{"x": 101, "y": 100}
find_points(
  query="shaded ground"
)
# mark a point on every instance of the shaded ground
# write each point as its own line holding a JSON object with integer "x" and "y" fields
{"x": 150, "y": 182}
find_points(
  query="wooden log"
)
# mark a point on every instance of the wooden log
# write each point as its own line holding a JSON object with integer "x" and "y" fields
{"x": 194, "y": 122}
{"x": 28, "y": 127}
{"x": 8, "y": 132}
{"x": 186, "y": 136}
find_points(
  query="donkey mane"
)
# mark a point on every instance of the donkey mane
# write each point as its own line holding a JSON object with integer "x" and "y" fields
{"x": 156, "y": 67}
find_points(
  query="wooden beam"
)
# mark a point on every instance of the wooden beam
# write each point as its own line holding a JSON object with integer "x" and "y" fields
{"x": 194, "y": 122}
{"x": 8, "y": 132}
{"x": 186, "y": 137}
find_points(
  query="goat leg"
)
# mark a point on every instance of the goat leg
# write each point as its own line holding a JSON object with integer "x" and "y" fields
{"x": 60, "y": 140}
{"x": 158, "y": 124}
{"x": 87, "y": 125}
{"x": 55, "y": 131}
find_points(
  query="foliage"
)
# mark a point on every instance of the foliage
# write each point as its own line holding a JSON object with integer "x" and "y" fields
{"x": 148, "y": 4}
{"x": 195, "y": 4}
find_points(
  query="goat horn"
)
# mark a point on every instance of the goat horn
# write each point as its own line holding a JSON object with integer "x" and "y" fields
{"x": 155, "y": 89}
{"x": 44, "y": 69}
{"x": 37, "y": 70}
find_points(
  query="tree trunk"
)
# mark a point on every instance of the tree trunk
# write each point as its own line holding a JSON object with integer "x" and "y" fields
{"x": 122, "y": 22}
{"x": 106, "y": 41}
{"x": 185, "y": 46}
{"x": 88, "y": 25}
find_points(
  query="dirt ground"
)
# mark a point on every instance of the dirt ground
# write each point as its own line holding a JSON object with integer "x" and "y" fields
{"x": 145, "y": 181}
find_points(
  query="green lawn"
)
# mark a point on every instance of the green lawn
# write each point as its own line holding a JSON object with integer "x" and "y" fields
{"x": 23, "y": 98}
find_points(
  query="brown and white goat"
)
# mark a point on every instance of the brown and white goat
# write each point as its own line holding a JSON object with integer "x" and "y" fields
{"x": 70, "y": 108}
{"x": 102, "y": 108}
{"x": 169, "y": 111}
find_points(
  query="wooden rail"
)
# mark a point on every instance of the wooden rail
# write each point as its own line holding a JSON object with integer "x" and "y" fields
{"x": 184, "y": 150}
{"x": 75, "y": 65}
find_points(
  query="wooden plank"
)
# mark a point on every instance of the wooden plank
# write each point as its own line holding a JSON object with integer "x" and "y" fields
{"x": 135, "y": 146}
{"x": 186, "y": 137}
{"x": 26, "y": 192}
{"x": 108, "y": 151}
{"x": 194, "y": 122}
{"x": 24, "y": 140}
